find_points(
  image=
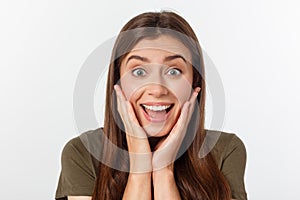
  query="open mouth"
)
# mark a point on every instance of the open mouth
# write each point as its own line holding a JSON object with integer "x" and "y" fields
{"x": 156, "y": 113}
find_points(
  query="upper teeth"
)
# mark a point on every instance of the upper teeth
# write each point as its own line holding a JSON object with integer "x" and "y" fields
{"x": 157, "y": 108}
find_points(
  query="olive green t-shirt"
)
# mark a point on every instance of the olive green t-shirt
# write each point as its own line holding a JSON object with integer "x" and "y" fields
{"x": 79, "y": 163}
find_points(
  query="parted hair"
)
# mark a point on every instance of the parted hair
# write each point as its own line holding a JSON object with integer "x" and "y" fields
{"x": 196, "y": 177}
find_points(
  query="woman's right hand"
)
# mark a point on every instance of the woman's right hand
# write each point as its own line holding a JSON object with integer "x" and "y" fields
{"x": 140, "y": 155}
{"x": 138, "y": 145}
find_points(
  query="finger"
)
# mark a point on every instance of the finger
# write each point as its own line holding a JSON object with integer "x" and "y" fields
{"x": 125, "y": 105}
{"x": 186, "y": 112}
{"x": 183, "y": 118}
{"x": 121, "y": 105}
{"x": 193, "y": 101}
{"x": 131, "y": 113}
{"x": 187, "y": 109}
{"x": 119, "y": 92}
{"x": 128, "y": 116}
{"x": 123, "y": 108}
{"x": 178, "y": 131}
{"x": 194, "y": 95}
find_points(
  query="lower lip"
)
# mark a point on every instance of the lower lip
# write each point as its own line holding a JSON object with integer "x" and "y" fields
{"x": 156, "y": 120}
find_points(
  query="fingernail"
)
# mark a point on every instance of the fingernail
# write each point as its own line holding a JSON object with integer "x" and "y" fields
{"x": 115, "y": 86}
{"x": 116, "y": 90}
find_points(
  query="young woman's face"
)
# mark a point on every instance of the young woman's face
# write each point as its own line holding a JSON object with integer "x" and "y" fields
{"x": 156, "y": 77}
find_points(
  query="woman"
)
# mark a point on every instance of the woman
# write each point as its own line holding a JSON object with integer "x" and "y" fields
{"x": 155, "y": 101}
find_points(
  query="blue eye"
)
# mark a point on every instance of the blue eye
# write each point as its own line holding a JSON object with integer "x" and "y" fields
{"x": 174, "y": 72}
{"x": 138, "y": 72}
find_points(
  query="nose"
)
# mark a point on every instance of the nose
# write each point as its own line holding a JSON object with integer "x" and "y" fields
{"x": 156, "y": 90}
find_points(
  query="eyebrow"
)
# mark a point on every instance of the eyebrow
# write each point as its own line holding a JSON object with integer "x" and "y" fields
{"x": 168, "y": 58}
{"x": 137, "y": 58}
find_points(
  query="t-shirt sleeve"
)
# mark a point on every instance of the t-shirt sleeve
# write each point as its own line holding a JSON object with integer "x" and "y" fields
{"x": 233, "y": 167}
{"x": 77, "y": 177}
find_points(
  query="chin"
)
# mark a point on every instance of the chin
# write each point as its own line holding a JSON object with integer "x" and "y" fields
{"x": 156, "y": 130}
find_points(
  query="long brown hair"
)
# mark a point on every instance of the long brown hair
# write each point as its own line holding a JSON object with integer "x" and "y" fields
{"x": 196, "y": 178}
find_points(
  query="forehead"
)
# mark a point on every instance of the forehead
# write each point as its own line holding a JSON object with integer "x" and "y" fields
{"x": 163, "y": 43}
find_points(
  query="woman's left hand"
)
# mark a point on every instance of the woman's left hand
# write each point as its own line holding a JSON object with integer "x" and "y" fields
{"x": 166, "y": 151}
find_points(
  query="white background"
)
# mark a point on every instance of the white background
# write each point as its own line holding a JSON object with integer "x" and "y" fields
{"x": 254, "y": 45}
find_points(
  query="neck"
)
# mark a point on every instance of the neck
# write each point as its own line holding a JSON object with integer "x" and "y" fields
{"x": 154, "y": 141}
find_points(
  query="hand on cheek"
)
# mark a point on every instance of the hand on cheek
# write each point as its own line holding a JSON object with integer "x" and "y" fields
{"x": 138, "y": 146}
{"x": 166, "y": 150}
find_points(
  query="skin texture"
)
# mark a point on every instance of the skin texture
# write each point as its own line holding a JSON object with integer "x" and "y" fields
{"x": 165, "y": 78}
{"x": 155, "y": 72}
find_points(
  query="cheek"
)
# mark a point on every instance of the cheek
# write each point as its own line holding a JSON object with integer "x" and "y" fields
{"x": 129, "y": 86}
{"x": 181, "y": 89}
{"x": 128, "y": 89}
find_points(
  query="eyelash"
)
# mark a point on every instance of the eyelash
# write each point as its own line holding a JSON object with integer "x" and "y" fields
{"x": 179, "y": 72}
{"x": 135, "y": 71}
{"x": 138, "y": 70}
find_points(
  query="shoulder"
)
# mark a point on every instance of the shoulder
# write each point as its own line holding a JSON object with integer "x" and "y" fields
{"x": 224, "y": 144}
{"x": 78, "y": 166}
{"x": 81, "y": 144}
{"x": 225, "y": 138}
{"x": 229, "y": 153}
{"x": 84, "y": 148}
{"x": 72, "y": 146}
